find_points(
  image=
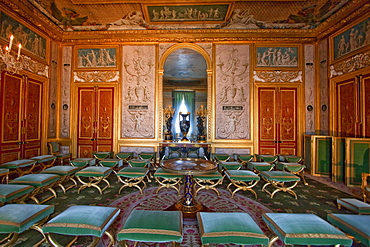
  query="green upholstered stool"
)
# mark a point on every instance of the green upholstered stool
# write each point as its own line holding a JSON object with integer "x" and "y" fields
{"x": 357, "y": 226}
{"x": 125, "y": 156}
{"x": 82, "y": 221}
{"x": 152, "y": 226}
{"x": 259, "y": 166}
{"x": 244, "y": 158}
{"x": 208, "y": 181}
{"x": 151, "y": 156}
{"x": 354, "y": 205}
{"x": 229, "y": 165}
{"x": 242, "y": 180}
{"x": 269, "y": 158}
{"x": 133, "y": 177}
{"x": 220, "y": 157}
{"x": 92, "y": 176}
{"x": 229, "y": 228}
{"x": 82, "y": 162}
{"x": 17, "y": 218}
{"x": 19, "y": 168}
{"x": 4, "y": 175}
{"x": 41, "y": 182}
{"x": 303, "y": 229}
{"x": 278, "y": 179}
{"x": 167, "y": 180}
{"x": 142, "y": 163}
{"x": 114, "y": 164}
{"x": 45, "y": 161}
{"x": 295, "y": 168}
{"x": 14, "y": 193}
{"x": 66, "y": 174}
{"x": 103, "y": 155}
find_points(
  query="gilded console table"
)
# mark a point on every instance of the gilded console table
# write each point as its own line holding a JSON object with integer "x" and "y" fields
{"x": 184, "y": 150}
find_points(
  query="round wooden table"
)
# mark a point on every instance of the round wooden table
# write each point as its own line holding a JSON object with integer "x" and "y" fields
{"x": 189, "y": 167}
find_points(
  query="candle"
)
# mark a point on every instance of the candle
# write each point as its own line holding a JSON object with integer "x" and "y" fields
{"x": 19, "y": 51}
{"x": 11, "y": 42}
{"x": 7, "y": 49}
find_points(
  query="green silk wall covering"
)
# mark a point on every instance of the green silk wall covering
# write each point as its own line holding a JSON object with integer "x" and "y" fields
{"x": 318, "y": 154}
{"x": 338, "y": 159}
{"x": 357, "y": 160}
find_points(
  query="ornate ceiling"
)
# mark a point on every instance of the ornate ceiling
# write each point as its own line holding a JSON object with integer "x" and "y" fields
{"x": 103, "y": 15}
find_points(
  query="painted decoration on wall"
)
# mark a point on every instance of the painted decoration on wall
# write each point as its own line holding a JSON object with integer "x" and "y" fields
{"x": 352, "y": 39}
{"x": 30, "y": 41}
{"x": 187, "y": 13}
{"x": 96, "y": 58}
{"x": 277, "y": 56}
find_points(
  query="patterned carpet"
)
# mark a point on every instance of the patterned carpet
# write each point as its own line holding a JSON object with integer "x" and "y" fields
{"x": 317, "y": 197}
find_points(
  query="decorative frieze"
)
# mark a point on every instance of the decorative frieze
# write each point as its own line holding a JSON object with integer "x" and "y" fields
{"x": 359, "y": 61}
{"x": 277, "y": 76}
{"x": 96, "y": 76}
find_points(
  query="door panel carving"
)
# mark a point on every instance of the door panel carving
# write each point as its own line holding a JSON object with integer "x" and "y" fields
{"x": 346, "y": 120}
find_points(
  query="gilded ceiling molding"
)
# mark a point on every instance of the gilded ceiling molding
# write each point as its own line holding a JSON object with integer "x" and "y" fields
{"x": 277, "y": 76}
{"x": 324, "y": 30}
{"x": 359, "y": 61}
{"x": 96, "y": 76}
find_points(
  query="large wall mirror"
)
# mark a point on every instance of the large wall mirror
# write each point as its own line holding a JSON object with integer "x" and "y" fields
{"x": 185, "y": 89}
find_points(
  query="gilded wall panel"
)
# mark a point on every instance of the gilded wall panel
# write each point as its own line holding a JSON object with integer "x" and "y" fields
{"x": 53, "y": 91}
{"x": 309, "y": 55}
{"x": 232, "y": 92}
{"x": 138, "y": 91}
{"x": 324, "y": 85}
{"x": 66, "y": 91}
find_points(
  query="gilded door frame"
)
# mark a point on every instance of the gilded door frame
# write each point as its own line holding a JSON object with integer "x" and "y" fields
{"x": 210, "y": 88}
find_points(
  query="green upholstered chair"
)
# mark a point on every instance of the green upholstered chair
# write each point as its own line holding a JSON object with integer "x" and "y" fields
{"x": 229, "y": 228}
{"x": 92, "y": 176}
{"x": 152, "y": 226}
{"x": 303, "y": 229}
{"x": 281, "y": 181}
{"x": 54, "y": 149}
{"x": 45, "y": 161}
{"x": 82, "y": 162}
{"x": 4, "y": 175}
{"x": 14, "y": 193}
{"x": 208, "y": 181}
{"x": 17, "y": 218}
{"x": 133, "y": 177}
{"x": 365, "y": 185}
{"x": 354, "y": 205}
{"x": 19, "y": 168}
{"x": 295, "y": 168}
{"x": 81, "y": 220}
{"x": 242, "y": 180}
{"x": 41, "y": 182}
{"x": 357, "y": 226}
{"x": 167, "y": 180}
{"x": 260, "y": 166}
{"x": 66, "y": 174}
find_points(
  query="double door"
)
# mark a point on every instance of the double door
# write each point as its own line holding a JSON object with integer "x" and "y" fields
{"x": 352, "y": 106}
{"x": 277, "y": 120}
{"x": 95, "y": 120}
{"x": 21, "y": 114}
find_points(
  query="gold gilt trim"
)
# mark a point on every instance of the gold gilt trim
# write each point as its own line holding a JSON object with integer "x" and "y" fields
{"x": 354, "y": 63}
{"x": 18, "y": 224}
{"x": 35, "y": 67}
{"x": 16, "y": 192}
{"x": 151, "y": 231}
{"x": 72, "y": 225}
{"x": 96, "y": 76}
{"x": 234, "y": 234}
{"x": 277, "y": 76}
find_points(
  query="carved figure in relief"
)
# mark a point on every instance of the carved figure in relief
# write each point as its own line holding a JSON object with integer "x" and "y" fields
{"x": 133, "y": 18}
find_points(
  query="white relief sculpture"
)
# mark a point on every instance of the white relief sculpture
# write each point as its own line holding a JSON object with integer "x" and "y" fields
{"x": 133, "y": 18}
{"x": 96, "y": 76}
{"x": 243, "y": 19}
{"x": 139, "y": 126}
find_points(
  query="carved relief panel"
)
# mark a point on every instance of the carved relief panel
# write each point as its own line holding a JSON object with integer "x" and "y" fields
{"x": 232, "y": 92}
{"x": 138, "y": 92}
{"x": 309, "y": 87}
{"x": 65, "y": 91}
{"x": 53, "y": 89}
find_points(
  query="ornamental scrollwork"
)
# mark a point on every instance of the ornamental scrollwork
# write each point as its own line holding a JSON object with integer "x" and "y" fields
{"x": 354, "y": 63}
{"x": 96, "y": 76}
{"x": 277, "y": 76}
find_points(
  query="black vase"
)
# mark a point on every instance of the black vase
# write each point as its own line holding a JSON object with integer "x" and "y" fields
{"x": 184, "y": 126}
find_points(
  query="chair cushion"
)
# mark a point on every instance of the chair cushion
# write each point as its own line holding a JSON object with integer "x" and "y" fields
{"x": 266, "y": 157}
{"x": 260, "y": 166}
{"x": 139, "y": 162}
{"x": 61, "y": 170}
{"x": 20, "y": 217}
{"x": 103, "y": 155}
{"x": 354, "y": 205}
{"x": 152, "y": 226}
{"x": 160, "y": 172}
{"x": 245, "y": 157}
{"x": 132, "y": 172}
{"x": 55, "y": 147}
{"x": 224, "y": 228}
{"x": 124, "y": 155}
{"x": 242, "y": 175}
{"x": 9, "y": 192}
{"x": 18, "y": 164}
{"x": 81, "y": 162}
{"x": 304, "y": 229}
{"x": 111, "y": 162}
{"x": 280, "y": 176}
{"x": 82, "y": 221}
{"x": 230, "y": 165}
{"x": 4, "y": 171}
{"x": 357, "y": 226}
{"x": 37, "y": 180}
{"x": 44, "y": 158}
{"x": 292, "y": 167}
{"x": 94, "y": 171}
{"x": 209, "y": 176}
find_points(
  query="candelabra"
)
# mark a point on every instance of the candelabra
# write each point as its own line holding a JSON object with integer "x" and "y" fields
{"x": 201, "y": 113}
{"x": 9, "y": 62}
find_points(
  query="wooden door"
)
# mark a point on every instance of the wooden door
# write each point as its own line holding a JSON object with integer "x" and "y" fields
{"x": 365, "y": 105}
{"x": 95, "y": 120}
{"x": 277, "y": 116}
{"x": 21, "y": 100}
